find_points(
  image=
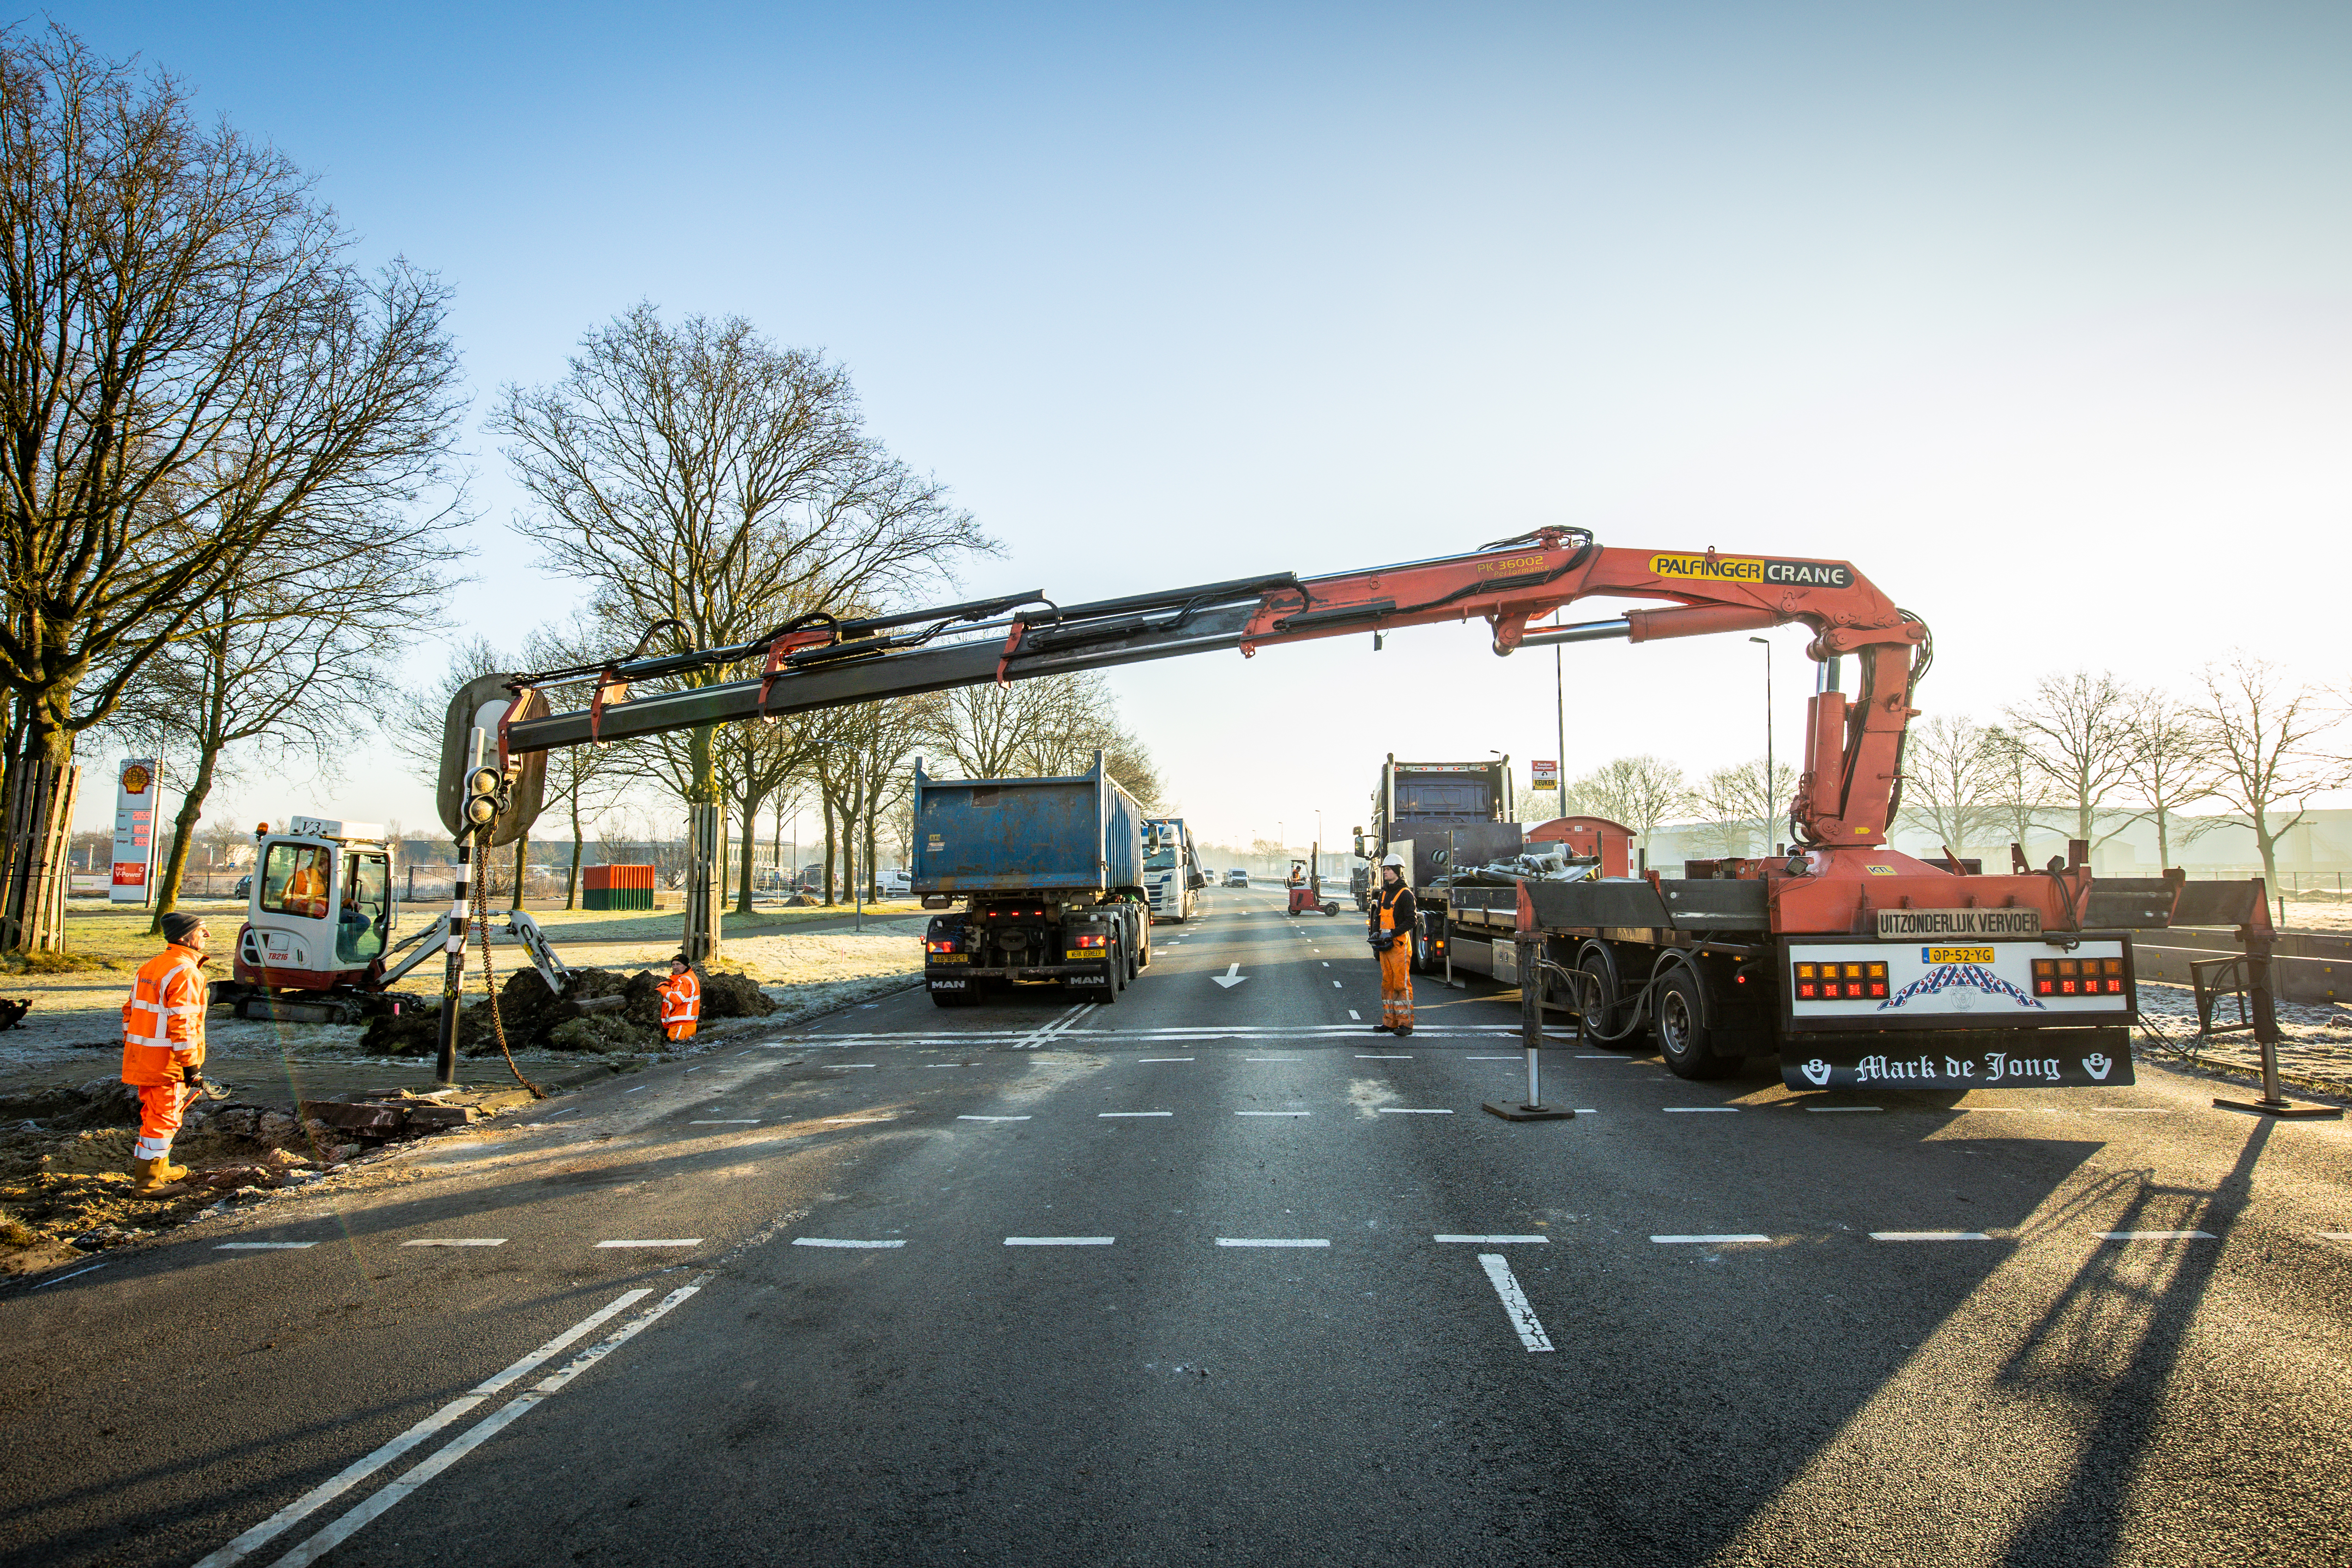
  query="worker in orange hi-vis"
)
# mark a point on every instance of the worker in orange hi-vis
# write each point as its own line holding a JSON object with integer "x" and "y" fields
{"x": 1392, "y": 916}
{"x": 306, "y": 889}
{"x": 681, "y": 1001}
{"x": 163, "y": 1046}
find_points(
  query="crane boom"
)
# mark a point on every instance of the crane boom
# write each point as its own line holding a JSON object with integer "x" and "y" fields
{"x": 1853, "y": 748}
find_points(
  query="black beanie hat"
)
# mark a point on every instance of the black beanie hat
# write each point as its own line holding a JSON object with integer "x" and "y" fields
{"x": 178, "y": 926}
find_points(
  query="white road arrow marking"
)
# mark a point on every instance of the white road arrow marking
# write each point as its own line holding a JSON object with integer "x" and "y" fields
{"x": 1232, "y": 976}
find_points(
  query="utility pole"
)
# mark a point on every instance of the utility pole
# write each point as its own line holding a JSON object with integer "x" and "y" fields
{"x": 1559, "y": 701}
{"x": 1771, "y": 781}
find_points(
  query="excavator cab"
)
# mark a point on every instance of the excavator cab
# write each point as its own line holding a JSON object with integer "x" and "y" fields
{"x": 321, "y": 914}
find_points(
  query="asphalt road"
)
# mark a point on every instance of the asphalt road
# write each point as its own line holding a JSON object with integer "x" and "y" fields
{"x": 1215, "y": 1274}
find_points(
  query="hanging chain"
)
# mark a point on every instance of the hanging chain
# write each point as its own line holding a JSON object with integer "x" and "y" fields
{"x": 481, "y": 923}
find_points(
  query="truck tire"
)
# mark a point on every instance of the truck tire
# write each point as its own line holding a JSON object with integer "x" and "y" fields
{"x": 1597, "y": 997}
{"x": 1680, "y": 1023}
{"x": 1118, "y": 973}
{"x": 955, "y": 998}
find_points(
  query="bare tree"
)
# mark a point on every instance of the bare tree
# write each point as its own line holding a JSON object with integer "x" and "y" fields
{"x": 1952, "y": 782}
{"x": 194, "y": 372}
{"x": 2173, "y": 766}
{"x": 277, "y": 666}
{"x": 2261, "y": 727}
{"x": 2078, "y": 731}
{"x": 1737, "y": 805}
{"x": 2017, "y": 792}
{"x": 697, "y": 474}
{"x": 1638, "y": 792}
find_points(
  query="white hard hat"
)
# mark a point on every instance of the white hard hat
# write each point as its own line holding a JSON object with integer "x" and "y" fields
{"x": 1397, "y": 861}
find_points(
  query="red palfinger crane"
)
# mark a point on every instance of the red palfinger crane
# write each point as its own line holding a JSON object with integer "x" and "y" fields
{"x": 1750, "y": 962}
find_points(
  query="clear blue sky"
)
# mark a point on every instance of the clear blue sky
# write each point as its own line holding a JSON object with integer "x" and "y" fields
{"x": 2040, "y": 314}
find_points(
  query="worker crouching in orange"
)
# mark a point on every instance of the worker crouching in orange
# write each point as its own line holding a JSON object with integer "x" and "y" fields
{"x": 1393, "y": 914}
{"x": 681, "y": 1001}
{"x": 163, "y": 1046}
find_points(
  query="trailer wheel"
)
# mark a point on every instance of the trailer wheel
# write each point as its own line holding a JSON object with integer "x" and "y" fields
{"x": 1685, "y": 1038}
{"x": 1597, "y": 997}
{"x": 1116, "y": 974}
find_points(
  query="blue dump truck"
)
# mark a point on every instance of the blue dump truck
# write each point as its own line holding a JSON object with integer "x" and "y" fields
{"x": 1050, "y": 875}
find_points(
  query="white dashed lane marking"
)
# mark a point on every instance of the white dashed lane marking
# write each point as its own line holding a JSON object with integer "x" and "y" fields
{"x": 456, "y": 1242}
{"x": 1496, "y": 1240}
{"x": 2154, "y": 1235}
{"x": 725, "y": 1122}
{"x": 677, "y": 1242}
{"x": 1743, "y": 1237}
{"x": 1273, "y": 1113}
{"x": 1833, "y": 1110}
{"x": 831, "y": 1242}
{"x": 1271, "y": 1242}
{"x": 1363, "y": 1056}
{"x": 1929, "y": 1236}
{"x": 1412, "y": 1111}
{"x": 1692, "y": 1110}
{"x": 1109, "y": 1114}
{"x": 1059, "y": 1240}
{"x": 1144, "y": 1059}
{"x": 992, "y": 1118}
{"x": 263, "y": 1246}
{"x": 1515, "y": 1302}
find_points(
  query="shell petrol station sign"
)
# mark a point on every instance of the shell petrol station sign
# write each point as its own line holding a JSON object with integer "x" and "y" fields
{"x": 134, "y": 832}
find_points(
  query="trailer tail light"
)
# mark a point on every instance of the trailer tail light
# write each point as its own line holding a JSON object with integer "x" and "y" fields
{"x": 940, "y": 946}
{"x": 2078, "y": 977}
{"x": 1840, "y": 982}
{"x": 1096, "y": 940}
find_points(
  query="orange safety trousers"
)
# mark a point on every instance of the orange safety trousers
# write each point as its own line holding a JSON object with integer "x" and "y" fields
{"x": 160, "y": 1106}
{"x": 1396, "y": 982}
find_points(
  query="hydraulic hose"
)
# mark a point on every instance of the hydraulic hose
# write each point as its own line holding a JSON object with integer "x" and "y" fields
{"x": 481, "y": 923}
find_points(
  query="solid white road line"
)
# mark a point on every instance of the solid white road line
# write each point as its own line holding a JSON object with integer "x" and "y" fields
{"x": 1682, "y": 1110}
{"x": 992, "y": 1118}
{"x": 94, "y": 1268}
{"x": 638, "y": 1090}
{"x": 1271, "y": 1241}
{"x": 2154, "y": 1235}
{"x": 1514, "y": 1303}
{"x": 1273, "y": 1113}
{"x": 1496, "y": 1240}
{"x": 1059, "y": 1240}
{"x": 1134, "y": 1112}
{"x": 456, "y": 1242}
{"x": 263, "y": 1246}
{"x": 686, "y": 1242}
{"x": 1929, "y": 1236}
{"x": 1144, "y": 1059}
{"x": 1708, "y": 1240}
{"x": 310, "y": 1502}
{"x": 474, "y": 1436}
{"x": 1411, "y": 1111}
{"x": 829, "y": 1241}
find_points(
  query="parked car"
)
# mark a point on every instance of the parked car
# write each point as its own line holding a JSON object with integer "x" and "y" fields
{"x": 244, "y": 887}
{"x": 1236, "y": 879}
{"x": 897, "y": 884}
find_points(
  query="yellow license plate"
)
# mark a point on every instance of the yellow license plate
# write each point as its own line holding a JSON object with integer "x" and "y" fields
{"x": 1082, "y": 955}
{"x": 950, "y": 957}
{"x": 1959, "y": 954}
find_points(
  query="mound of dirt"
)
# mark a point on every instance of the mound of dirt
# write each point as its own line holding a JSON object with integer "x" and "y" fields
{"x": 536, "y": 1020}
{"x": 77, "y": 1189}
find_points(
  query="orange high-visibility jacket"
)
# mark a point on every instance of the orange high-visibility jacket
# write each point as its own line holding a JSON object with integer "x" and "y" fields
{"x": 681, "y": 997}
{"x": 163, "y": 1021}
{"x": 306, "y": 890}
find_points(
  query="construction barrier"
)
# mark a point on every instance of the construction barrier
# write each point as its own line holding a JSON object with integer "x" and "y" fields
{"x": 618, "y": 886}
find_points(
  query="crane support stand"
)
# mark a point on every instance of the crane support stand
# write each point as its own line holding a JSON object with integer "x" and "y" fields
{"x": 1532, "y": 1032}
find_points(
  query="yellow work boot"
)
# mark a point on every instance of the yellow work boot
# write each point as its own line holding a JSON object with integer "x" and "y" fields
{"x": 156, "y": 1174}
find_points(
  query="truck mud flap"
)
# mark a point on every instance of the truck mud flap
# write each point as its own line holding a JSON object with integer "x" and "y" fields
{"x": 1960, "y": 1059}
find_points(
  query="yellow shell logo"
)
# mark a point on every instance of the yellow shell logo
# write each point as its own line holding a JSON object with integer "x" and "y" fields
{"x": 134, "y": 779}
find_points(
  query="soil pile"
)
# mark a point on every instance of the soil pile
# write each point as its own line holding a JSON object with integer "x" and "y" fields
{"x": 600, "y": 1010}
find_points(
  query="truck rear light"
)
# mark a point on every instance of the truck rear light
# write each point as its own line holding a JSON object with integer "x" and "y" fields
{"x": 1840, "y": 982}
{"x": 1096, "y": 940}
{"x": 2078, "y": 977}
{"x": 936, "y": 946}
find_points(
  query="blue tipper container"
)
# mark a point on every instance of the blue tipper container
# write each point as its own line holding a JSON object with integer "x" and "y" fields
{"x": 1080, "y": 835}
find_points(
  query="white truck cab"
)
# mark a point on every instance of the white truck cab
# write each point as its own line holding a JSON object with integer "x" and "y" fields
{"x": 1171, "y": 872}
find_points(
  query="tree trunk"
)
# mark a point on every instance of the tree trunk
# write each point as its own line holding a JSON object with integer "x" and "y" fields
{"x": 571, "y": 877}
{"x": 2268, "y": 842}
{"x": 825, "y": 804}
{"x": 751, "y": 849}
{"x": 873, "y": 876}
{"x": 2163, "y": 839}
{"x": 32, "y": 917}
{"x": 183, "y": 837}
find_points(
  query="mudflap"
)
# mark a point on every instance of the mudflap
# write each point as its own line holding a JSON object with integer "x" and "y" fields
{"x": 1959, "y": 1058}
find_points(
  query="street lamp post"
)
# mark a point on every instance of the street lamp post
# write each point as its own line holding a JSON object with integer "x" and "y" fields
{"x": 1771, "y": 779}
